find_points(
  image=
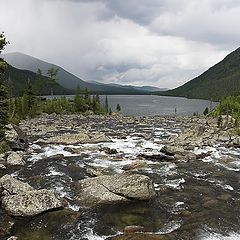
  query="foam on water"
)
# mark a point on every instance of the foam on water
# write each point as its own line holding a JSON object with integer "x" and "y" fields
{"x": 216, "y": 236}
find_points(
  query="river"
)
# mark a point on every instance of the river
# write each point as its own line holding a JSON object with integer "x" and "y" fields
{"x": 196, "y": 200}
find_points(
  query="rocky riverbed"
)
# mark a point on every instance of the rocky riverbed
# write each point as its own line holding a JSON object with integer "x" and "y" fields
{"x": 98, "y": 177}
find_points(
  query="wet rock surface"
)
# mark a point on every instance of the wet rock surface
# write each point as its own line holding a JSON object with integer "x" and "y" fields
{"x": 118, "y": 188}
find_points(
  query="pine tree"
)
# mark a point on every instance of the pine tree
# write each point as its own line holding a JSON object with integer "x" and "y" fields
{"x": 29, "y": 100}
{"x": 4, "y": 101}
{"x": 106, "y": 104}
{"x": 118, "y": 107}
{"x": 52, "y": 74}
{"x": 206, "y": 111}
{"x": 39, "y": 82}
{"x": 79, "y": 104}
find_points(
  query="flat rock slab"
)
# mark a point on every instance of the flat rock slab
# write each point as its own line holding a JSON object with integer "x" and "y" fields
{"x": 13, "y": 186}
{"x": 20, "y": 199}
{"x": 77, "y": 138}
{"x": 118, "y": 188}
{"x": 30, "y": 203}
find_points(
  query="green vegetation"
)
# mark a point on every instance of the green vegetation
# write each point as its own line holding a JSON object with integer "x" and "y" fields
{"x": 219, "y": 81}
{"x": 118, "y": 107}
{"x": 228, "y": 106}
{"x": 3, "y": 92}
{"x": 228, "y": 113}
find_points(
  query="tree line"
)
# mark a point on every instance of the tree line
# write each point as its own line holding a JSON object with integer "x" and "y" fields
{"x": 31, "y": 103}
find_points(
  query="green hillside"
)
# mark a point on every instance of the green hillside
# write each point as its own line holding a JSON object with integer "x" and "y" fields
{"x": 17, "y": 79}
{"x": 221, "y": 80}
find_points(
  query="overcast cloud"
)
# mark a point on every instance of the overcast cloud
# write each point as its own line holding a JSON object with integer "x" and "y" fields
{"x": 143, "y": 42}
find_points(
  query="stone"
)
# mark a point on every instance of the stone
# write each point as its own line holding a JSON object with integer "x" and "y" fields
{"x": 118, "y": 188}
{"x": 15, "y": 159}
{"x": 13, "y": 186}
{"x": 156, "y": 157}
{"x": 109, "y": 151}
{"x": 31, "y": 203}
{"x": 135, "y": 165}
{"x": 16, "y": 138}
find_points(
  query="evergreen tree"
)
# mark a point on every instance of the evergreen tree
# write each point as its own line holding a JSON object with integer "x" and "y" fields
{"x": 29, "y": 100}
{"x": 52, "y": 74}
{"x": 4, "y": 101}
{"x": 78, "y": 101}
{"x": 206, "y": 111}
{"x": 118, "y": 107}
{"x": 97, "y": 98}
{"x": 106, "y": 104}
{"x": 39, "y": 82}
{"x": 86, "y": 95}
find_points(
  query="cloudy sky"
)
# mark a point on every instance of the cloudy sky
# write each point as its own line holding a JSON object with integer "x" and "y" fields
{"x": 142, "y": 42}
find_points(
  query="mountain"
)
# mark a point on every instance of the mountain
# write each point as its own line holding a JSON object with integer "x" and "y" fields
{"x": 17, "y": 80}
{"x": 223, "y": 79}
{"x": 66, "y": 79}
{"x": 141, "y": 88}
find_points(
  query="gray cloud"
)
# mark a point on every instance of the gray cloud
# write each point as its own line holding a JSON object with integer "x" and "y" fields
{"x": 158, "y": 42}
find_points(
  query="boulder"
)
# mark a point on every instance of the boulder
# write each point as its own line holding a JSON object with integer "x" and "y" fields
{"x": 116, "y": 188}
{"x": 77, "y": 138}
{"x": 135, "y": 165}
{"x": 20, "y": 199}
{"x": 109, "y": 150}
{"x": 14, "y": 159}
{"x": 156, "y": 157}
{"x": 12, "y": 186}
{"x": 16, "y": 138}
{"x": 30, "y": 203}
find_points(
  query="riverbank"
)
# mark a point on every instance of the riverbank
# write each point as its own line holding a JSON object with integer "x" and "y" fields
{"x": 170, "y": 176}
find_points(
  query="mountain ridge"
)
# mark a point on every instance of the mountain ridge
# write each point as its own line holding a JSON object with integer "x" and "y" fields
{"x": 220, "y": 80}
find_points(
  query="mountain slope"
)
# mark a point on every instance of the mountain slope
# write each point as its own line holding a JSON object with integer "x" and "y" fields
{"x": 223, "y": 79}
{"x": 66, "y": 79}
{"x": 17, "y": 80}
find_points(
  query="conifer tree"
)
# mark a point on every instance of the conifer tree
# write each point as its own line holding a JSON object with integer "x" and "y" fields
{"x": 106, "y": 104}
{"x": 52, "y": 74}
{"x": 118, "y": 108}
{"x": 3, "y": 90}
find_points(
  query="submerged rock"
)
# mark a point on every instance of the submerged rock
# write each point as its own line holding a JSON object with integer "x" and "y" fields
{"x": 116, "y": 188}
{"x": 141, "y": 236}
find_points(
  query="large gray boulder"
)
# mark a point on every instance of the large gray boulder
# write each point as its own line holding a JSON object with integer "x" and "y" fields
{"x": 20, "y": 199}
{"x": 11, "y": 186}
{"x": 30, "y": 203}
{"x": 15, "y": 159}
{"x": 116, "y": 188}
{"x": 77, "y": 138}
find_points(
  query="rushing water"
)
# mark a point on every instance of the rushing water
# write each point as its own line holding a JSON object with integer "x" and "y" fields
{"x": 196, "y": 200}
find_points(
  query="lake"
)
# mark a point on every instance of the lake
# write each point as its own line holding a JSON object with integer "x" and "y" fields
{"x": 148, "y": 105}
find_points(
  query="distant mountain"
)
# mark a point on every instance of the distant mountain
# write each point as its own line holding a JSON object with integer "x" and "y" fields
{"x": 17, "y": 80}
{"x": 66, "y": 79}
{"x": 223, "y": 79}
{"x": 142, "y": 88}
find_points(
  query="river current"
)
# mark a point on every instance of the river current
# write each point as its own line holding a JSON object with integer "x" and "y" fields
{"x": 195, "y": 199}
